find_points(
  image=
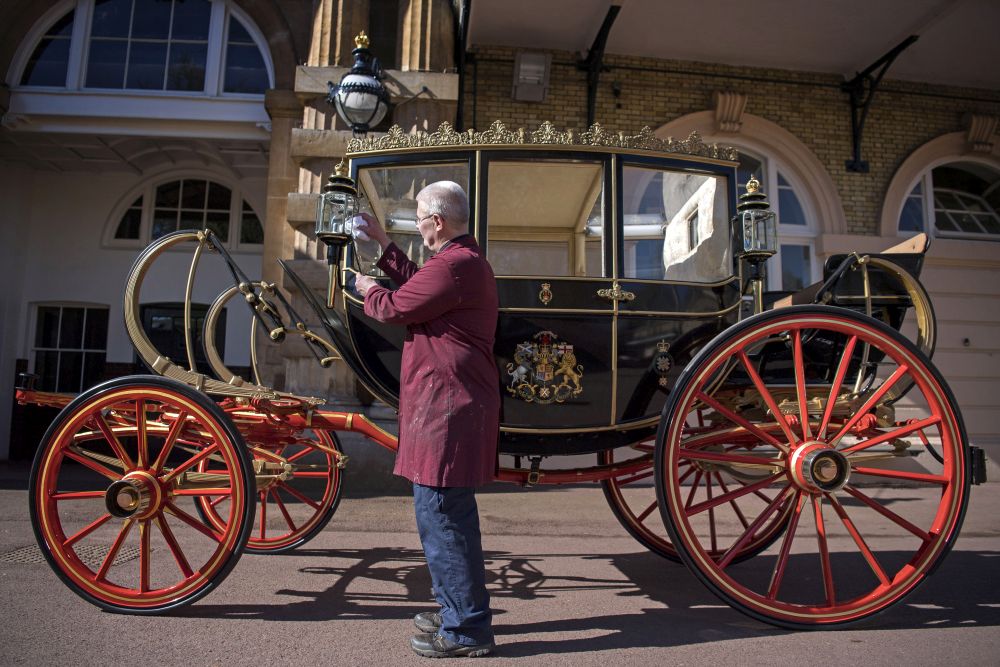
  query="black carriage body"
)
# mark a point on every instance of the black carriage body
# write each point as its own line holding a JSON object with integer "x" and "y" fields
{"x": 587, "y": 345}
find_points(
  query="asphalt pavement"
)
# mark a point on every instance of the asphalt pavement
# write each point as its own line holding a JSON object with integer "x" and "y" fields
{"x": 569, "y": 587}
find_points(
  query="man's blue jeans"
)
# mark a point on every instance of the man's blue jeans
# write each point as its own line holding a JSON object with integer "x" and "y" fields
{"x": 448, "y": 522}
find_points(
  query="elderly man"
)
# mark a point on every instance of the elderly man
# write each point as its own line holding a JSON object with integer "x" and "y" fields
{"x": 449, "y": 407}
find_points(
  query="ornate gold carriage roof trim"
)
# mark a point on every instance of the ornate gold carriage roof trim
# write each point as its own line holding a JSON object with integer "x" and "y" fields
{"x": 499, "y": 134}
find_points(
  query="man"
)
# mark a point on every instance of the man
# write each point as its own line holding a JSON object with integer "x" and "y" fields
{"x": 449, "y": 406}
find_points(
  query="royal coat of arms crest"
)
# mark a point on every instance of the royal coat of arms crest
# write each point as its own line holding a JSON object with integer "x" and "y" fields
{"x": 544, "y": 370}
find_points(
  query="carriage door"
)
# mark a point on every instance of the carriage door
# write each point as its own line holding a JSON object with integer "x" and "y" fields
{"x": 546, "y": 238}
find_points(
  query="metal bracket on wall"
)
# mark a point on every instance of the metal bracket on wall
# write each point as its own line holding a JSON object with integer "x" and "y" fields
{"x": 594, "y": 62}
{"x": 861, "y": 90}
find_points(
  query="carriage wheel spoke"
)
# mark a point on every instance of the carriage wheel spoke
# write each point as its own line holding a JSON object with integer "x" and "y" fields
{"x": 203, "y": 492}
{"x": 768, "y": 399}
{"x": 113, "y": 441}
{"x": 113, "y": 551}
{"x": 734, "y": 550}
{"x": 193, "y": 522}
{"x": 887, "y": 513}
{"x": 142, "y": 437}
{"x": 694, "y": 488}
{"x": 824, "y": 550}
{"x": 219, "y": 500}
{"x": 838, "y": 381}
{"x": 82, "y": 458}
{"x": 175, "y": 548}
{"x": 144, "y": 555}
{"x": 725, "y": 457}
{"x": 738, "y": 493}
{"x": 208, "y": 451}
{"x": 86, "y": 530}
{"x": 870, "y": 403}
{"x": 735, "y": 506}
{"x": 77, "y": 495}
{"x": 321, "y": 474}
{"x": 263, "y": 513}
{"x": 798, "y": 500}
{"x": 892, "y": 435}
{"x": 301, "y": 497}
{"x": 860, "y": 541}
{"x": 646, "y": 512}
{"x": 284, "y": 510}
{"x": 168, "y": 443}
{"x": 800, "y": 384}
{"x": 711, "y": 515}
{"x": 899, "y": 474}
{"x": 739, "y": 421}
{"x": 299, "y": 455}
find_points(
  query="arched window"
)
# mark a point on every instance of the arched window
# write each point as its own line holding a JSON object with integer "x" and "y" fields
{"x": 795, "y": 266}
{"x": 955, "y": 200}
{"x": 194, "y": 202}
{"x": 191, "y": 46}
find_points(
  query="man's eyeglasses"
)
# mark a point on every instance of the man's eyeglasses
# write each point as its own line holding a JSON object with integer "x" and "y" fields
{"x": 420, "y": 220}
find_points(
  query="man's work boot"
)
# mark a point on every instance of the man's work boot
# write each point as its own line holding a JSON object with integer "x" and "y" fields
{"x": 427, "y": 621}
{"x": 435, "y": 646}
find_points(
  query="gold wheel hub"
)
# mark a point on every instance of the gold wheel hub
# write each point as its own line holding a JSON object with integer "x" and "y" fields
{"x": 816, "y": 468}
{"x": 137, "y": 495}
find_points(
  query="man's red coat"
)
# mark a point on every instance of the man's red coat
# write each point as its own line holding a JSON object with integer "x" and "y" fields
{"x": 449, "y": 399}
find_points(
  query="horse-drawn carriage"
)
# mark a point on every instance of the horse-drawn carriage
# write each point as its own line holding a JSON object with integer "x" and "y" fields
{"x": 744, "y": 436}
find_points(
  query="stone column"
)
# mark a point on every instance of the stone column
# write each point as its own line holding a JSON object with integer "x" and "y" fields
{"x": 428, "y": 36}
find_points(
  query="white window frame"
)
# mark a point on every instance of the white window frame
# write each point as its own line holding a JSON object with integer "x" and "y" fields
{"x": 926, "y": 181}
{"x": 32, "y": 349}
{"x": 147, "y": 190}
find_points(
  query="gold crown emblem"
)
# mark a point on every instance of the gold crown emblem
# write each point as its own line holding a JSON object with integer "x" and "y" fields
{"x": 361, "y": 41}
{"x": 753, "y": 185}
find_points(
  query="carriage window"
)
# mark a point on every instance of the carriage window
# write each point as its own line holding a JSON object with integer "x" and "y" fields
{"x": 390, "y": 194}
{"x": 676, "y": 226}
{"x": 545, "y": 218}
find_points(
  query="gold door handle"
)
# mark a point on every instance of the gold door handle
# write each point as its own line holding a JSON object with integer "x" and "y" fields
{"x": 616, "y": 293}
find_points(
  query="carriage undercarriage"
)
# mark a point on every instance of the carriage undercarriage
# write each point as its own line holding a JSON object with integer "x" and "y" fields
{"x": 775, "y": 434}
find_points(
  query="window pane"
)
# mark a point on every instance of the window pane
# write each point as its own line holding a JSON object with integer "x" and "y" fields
{"x": 796, "y": 267}
{"x": 676, "y": 225}
{"x": 193, "y": 194}
{"x": 151, "y": 19}
{"x": 47, "y": 366}
{"x": 47, "y": 331}
{"x": 147, "y": 61}
{"x": 106, "y": 64}
{"x": 218, "y": 223}
{"x": 93, "y": 369}
{"x": 168, "y": 194}
{"x": 237, "y": 33}
{"x": 128, "y": 228}
{"x": 47, "y": 66}
{"x": 187, "y": 67}
{"x": 111, "y": 18}
{"x": 749, "y": 166}
{"x": 789, "y": 208}
{"x": 191, "y": 18}
{"x": 944, "y": 222}
{"x": 219, "y": 197}
{"x": 71, "y": 328}
{"x": 70, "y": 369}
{"x": 990, "y": 223}
{"x": 912, "y": 217}
{"x": 192, "y": 220}
{"x": 245, "y": 70}
{"x": 251, "y": 231}
{"x": 96, "y": 335}
{"x": 164, "y": 222}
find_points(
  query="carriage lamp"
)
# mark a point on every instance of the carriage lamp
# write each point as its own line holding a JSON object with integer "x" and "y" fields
{"x": 360, "y": 98}
{"x": 336, "y": 207}
{"x": 756, "y": 231}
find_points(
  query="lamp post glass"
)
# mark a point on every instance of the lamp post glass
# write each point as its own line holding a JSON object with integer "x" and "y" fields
{"x": 334, "y": 213}
{"x": 760, "y": 232}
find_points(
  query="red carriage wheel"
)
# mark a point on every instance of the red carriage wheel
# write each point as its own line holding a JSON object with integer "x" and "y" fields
{"x": 785, "y": 384}
{"x": 113, "y": 488}
{"x": 633, "y": 498}
{"x": 297, "y": 492}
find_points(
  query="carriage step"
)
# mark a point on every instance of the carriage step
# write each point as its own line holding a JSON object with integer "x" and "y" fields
{"x": 978, "y": 464}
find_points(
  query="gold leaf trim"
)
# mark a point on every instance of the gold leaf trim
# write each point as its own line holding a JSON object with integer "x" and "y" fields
{"x": 498, "y": 134}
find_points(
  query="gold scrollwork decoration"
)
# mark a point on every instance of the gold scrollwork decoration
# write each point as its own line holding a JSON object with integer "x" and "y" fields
{"x": 498, "y": 134}
{"x": 616, "y": 293}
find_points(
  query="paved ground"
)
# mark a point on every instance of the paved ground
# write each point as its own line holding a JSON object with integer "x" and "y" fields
{"x": 569, "y": 586}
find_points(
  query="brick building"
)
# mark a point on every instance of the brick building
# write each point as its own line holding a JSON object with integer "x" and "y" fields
{"x": 121, "y": 112}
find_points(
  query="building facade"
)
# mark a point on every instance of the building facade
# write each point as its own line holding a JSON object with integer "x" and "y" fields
{"x": 126, "y": 119}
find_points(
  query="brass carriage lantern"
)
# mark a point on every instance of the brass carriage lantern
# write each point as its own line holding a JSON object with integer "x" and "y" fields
{"x": 360, "y": 98}
{"x": 335, "y": 210}
{"x": 756, "y": 230}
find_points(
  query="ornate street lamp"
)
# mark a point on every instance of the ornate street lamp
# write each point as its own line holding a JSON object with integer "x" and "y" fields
{"x": 755, "y": 227}
{"x": 360, "y": 98}
{"x": 335, "y": 211}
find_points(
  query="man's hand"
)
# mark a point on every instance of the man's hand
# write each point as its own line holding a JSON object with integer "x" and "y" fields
{"x": 373, "y": 228}
{"x": 364, "y": 283}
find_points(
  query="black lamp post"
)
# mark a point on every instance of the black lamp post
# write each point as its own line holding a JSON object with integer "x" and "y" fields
{"x": 756, "y": 230}
{"x": 360, "y": 98}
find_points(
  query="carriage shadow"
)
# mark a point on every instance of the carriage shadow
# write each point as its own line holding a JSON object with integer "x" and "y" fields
{"x": 684, "y": 613}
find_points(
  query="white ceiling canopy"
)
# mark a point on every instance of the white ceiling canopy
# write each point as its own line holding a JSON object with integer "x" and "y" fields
{"x": 957, "y": 43}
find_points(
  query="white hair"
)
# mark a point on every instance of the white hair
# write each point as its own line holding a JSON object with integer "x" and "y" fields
{"x": 448, "y": 200}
